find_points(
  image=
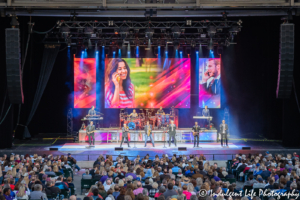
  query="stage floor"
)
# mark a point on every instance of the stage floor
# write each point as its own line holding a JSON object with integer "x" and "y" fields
{"x": 212, "y": 150}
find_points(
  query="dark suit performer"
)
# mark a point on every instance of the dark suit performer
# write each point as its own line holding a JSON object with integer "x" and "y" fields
{"x": 224, "y": 132}
{"x": 90, "y": 132}
{"x": 196, "y": 130}
{"x": 125, "y": 131}
{"x": 148, "y": 130}
{"x": 205, "y": 113}
{"x": 172, "y": 133}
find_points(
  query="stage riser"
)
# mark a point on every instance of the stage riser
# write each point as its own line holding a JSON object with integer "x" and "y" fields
{"x": 139, "y": 136}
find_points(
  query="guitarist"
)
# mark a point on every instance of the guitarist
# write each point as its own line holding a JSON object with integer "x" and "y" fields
{"x": 90, "y": 129}
{"x": 148, "y": 133}
{"x": 196, "y": 130}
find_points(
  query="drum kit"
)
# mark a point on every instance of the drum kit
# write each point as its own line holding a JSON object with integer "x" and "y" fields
{"x": 157, "y": 121}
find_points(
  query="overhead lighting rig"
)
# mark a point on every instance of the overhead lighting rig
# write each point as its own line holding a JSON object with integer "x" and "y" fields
{"x": 186, "y": 33}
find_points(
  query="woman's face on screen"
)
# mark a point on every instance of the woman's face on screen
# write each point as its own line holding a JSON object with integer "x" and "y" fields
{"x": 122, "y": 70}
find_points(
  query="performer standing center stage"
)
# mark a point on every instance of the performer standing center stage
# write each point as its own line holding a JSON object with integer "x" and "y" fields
{"x": 148, "y": 133}
{"x": 90, "y": 129}
{"x": 196, "y": 130}
{"x": 223, "y": 132}
{"x": 125, "y": 131}
{"x": 172, "y": 133}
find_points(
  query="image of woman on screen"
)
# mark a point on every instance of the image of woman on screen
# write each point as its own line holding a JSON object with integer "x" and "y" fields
{"x": 119, "y": 91}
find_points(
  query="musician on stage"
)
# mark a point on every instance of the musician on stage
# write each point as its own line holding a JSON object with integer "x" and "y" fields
{"x": 172, "y": 133}
{"x": 125, "y": 131}
{"x": 90, "y": 129}
{"x": 133, "y": 114}
{"x": 206, "y": 113}
{"x": 148, "y": 133}
{"x": 196, "y": 130}
{"x": 224, "y": 132}
{"x": 160, "y": 111}
{"x": 92, "y": 111}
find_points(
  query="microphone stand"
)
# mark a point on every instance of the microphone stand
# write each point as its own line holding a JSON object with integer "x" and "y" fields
{"x": 165, "y": 139}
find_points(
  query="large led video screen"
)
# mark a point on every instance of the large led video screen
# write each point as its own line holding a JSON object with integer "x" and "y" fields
{"x": 147, "y": 82}
{"x": 209, "y": 82}
{"x": 84, "y": 82}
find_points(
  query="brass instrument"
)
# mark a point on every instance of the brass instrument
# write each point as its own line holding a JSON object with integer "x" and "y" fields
{"x": 149, "y": 131}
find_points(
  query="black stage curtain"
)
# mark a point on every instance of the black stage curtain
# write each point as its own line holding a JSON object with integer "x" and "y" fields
{"x": 49, "y": 57}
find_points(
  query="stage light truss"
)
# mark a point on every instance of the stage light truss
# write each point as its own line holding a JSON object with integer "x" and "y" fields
{"x": 159, "y": 32}
{"x": 70, "y": 122}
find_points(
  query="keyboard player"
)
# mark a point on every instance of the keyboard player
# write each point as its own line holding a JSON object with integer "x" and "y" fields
{"x": 205, "y": 113}
{"x": 92, "y": 113}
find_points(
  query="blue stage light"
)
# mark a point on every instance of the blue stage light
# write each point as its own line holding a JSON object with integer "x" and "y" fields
{"x": 197, "y": 52}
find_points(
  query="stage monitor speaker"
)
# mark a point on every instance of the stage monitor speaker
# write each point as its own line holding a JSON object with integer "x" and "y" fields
{"x": 181, "y": 148}
{"x": 118, "y": 148}
{"x": 13, "y": 66}
{"x": 53, "y": 149}
{"x": 246, "y": 148}
{"x": 286, "y": 61}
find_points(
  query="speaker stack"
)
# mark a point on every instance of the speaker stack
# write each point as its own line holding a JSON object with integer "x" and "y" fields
{"x": 286, "y": 61}
{"x": 13, "y": 66}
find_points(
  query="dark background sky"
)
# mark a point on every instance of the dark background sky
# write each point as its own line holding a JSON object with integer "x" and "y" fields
{"x": 250, "y": 71}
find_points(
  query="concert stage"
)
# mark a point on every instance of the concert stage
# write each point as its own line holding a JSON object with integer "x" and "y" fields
{"x": 80, "y": 150}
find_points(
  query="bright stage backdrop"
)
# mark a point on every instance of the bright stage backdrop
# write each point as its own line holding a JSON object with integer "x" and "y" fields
{"x": 150, "y": 82}
{"x": 84, "y": 82}
{"x": 209, "y": 82}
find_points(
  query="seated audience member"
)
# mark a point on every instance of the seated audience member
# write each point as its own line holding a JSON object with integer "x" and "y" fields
{"x": 170, "y": 191}
{"x": 37, "y": 193}
{"x": 86, "y": 175}
{"x": 51, "y": 189}
{"x": 116, "y": 192}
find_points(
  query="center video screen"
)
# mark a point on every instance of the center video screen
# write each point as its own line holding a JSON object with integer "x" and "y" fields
{"x": 147, "y": 82}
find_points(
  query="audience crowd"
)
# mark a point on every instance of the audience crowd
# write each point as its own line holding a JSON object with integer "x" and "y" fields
{"x": 173, "y": 177}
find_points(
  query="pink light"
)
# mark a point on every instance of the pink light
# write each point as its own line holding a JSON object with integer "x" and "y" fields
{"x": 150, "y": 85}
{"x": 142, "y": 104}
{"x": 151, "y": 93}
